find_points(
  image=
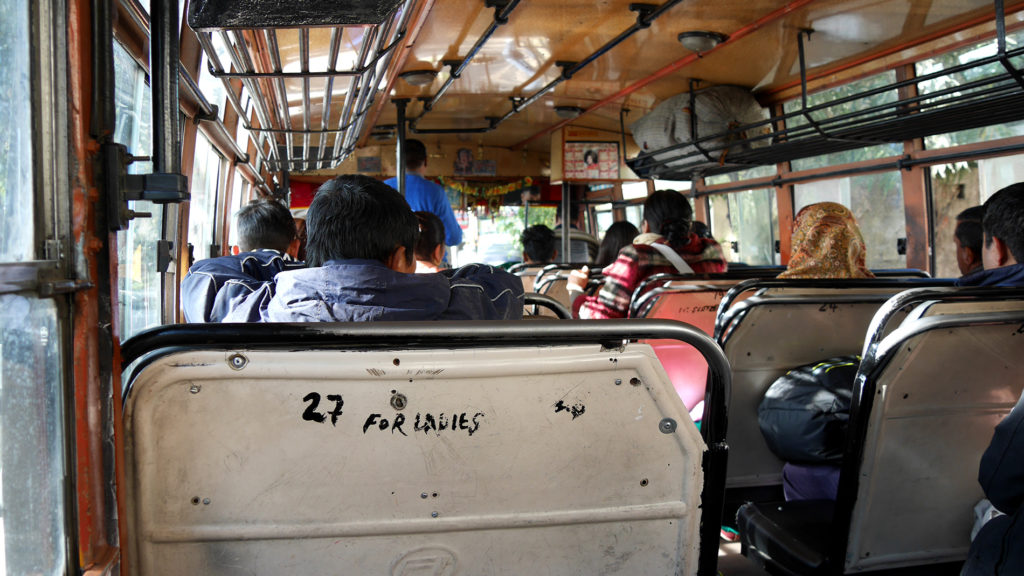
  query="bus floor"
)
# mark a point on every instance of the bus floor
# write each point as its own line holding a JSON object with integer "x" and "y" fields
{"x": 732, "y": 563}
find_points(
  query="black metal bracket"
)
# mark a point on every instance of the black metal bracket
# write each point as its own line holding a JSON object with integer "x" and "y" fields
{"x": 499, "y": 7}
{"x": 644, "y": 12}
{"x": 452, "y": 65}
{"x": 122, "y": 187}
{"x": 694, "y": 137}
{"x": 213, "y": 116}
{"x": 164, "y": 255}
{"x": 566, "y": 66}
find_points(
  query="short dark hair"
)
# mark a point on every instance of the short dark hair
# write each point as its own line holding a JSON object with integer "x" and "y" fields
{"x": 415, "y": 154}
{"x": 1004, "y": 219}
{"x": 700, "y": 229}
{"x": 538, "y": 243}
{"x": 431, "y": 235}
{"x": 356, "y": 216}
{"x": 669, "y": 213}
{"x": 264, "y": 224}
{"x": 574, "y": 211}
{"x": 968, "y": 228}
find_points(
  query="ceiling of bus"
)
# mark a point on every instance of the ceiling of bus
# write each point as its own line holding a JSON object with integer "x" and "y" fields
{"x": 520, "y": 58}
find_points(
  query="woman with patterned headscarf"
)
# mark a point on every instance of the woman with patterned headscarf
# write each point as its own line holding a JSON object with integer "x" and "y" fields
{"x": 827, "y": 244}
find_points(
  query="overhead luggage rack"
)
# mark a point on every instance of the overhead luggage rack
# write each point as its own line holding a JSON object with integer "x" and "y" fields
{"x": 269, "y": 51}
{"x": 821, "y": 129}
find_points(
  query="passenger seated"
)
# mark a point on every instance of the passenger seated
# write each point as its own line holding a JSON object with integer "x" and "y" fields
{"x": 618, "y": 236}
{"x": 967, "y": 238}
{"x": 539, "y": 245}
{"x": 582, "y": 246}
{"x": 999, "y": 546}
{"x": 827, "y": 243}
{"x": 1003, "y": 253}
{"x": 666, "y": 245}
{"x": 430, "y": 244}
{"x": 362, "y": 235}
{"x": 267, "y": 240}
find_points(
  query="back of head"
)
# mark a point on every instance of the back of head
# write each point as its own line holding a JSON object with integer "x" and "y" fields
{"x": 618, "y": 236}
{"x": 265, "y": 224}
{"x": 574, "y": 213}
{"x": 1004, "y": 219}
{"x": 538, "y": 243}
{"x": 669, "y": 213}
{"x": 827, "y": 243}
{"x": 969, "y": 229}
{"x": 357, "y": 216}
{"x": 415, "y": 154}
{"x": 431, "y": 235}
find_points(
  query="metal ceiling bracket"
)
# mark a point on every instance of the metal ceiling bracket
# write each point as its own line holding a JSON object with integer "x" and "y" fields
{"x": 567, "y": 68}
{"x": 500, "y": 16}
{"x": 1001, "y": 44}
{"x": 644, "y": 11}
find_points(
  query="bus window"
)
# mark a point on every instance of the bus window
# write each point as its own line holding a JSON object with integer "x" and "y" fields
{"x": 239, "y": 194}
{"x": 956, "y": 187}
{"x": 202, "y": 212}
{"x": 492, "y": 236}
{"x": 16, "y": 204}
{"x": 745, "y": 224}
{"x": 138, "y": 278}
{"x": 32, "y": 523}
{"x": 876, "y": 200}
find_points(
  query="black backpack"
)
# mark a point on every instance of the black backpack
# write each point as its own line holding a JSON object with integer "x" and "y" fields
{"x": 804, "y": 414}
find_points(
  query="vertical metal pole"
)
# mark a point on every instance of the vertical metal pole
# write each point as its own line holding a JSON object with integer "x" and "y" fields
{"x": 163, "y": 64}
{"x": 164, "y": 77}
{"x": 566, "y": 222}
{"x": 400, "y": 104}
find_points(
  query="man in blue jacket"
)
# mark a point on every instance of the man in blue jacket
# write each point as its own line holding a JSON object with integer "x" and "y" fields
{"x": 267, "y": 240}
{"x": 424, "y": 195}
{"x": 998, "y": 549}
{"x": 360, "y": 252}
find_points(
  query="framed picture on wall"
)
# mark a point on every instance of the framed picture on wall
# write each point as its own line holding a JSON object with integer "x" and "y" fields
{"x": 590, "y": 160}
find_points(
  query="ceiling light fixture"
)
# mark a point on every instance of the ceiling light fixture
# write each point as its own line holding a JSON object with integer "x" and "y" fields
{"x": 701, "y": 41}
{"x": 568, "y": 112}
{"x": 418, "y": 77}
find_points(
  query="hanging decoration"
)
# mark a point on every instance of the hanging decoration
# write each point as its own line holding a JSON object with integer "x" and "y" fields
{"x": 490, "y": 195}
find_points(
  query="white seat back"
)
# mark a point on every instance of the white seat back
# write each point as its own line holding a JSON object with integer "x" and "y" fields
{"x": 513, "y": 460}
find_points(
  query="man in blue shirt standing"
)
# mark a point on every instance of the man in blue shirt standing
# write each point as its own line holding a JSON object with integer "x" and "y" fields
{"x": 424, "y": 195}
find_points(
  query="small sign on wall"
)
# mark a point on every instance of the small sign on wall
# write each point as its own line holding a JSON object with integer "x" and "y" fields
{"x": 591, "y": 160}
{"x": 368, "y": 165}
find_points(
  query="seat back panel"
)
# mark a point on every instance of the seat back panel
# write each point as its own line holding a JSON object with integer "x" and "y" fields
{"x": 936, "y": 404}
{"x": 473, "y": 461}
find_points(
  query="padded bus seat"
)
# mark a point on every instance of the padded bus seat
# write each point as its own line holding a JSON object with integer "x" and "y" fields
{"x": 928, "y": 401}
{"x": 528, "y": 459}
{"x": 697, "y": 305}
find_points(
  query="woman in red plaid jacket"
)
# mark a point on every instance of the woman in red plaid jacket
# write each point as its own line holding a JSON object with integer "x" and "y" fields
{"x": 666, "y": 244}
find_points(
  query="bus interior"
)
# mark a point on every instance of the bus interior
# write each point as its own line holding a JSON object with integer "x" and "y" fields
{"x": 134, "y": 443}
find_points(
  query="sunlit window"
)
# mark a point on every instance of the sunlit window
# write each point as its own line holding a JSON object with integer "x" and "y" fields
{"x": 16, "y": 213}
{"x": 202, "y": 213}
{"x": 745, "y": 224}
{"x": 876, "y": 201}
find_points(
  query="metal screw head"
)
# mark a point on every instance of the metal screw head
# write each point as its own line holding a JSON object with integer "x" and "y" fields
{"x": 618, "y": 381}
{"x": 206, "y": 501}
{"x": 237, "y": 361}
{"x": 195, "y": 388}
{"x": 433, "y": 514}
{"x": 667, "y": 425}
{"x": 424, "y": 495}
{"x": 399, "y": 401}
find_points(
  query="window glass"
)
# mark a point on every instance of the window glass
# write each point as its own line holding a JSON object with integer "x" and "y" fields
{"x": 635, "y": 214}
{"x": 749, "y": 173}
{"x": 956, "y": 187}
{"x": 677, "y": 185}
{"x": 213, "y": 88}
{"x": 202, "y": 213}
{"x": 138, "y": 279}
{"x": 492, "y": 235}
{"x": 16, "y": 200}
{"x": 958, "y": 79}
{"x": 634, "y": 190}
{"x": 876, "y": 201}
{"x": 745, "y": 224}
{"x": 31, "y": 437}
{"x": 238, "y": 192}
